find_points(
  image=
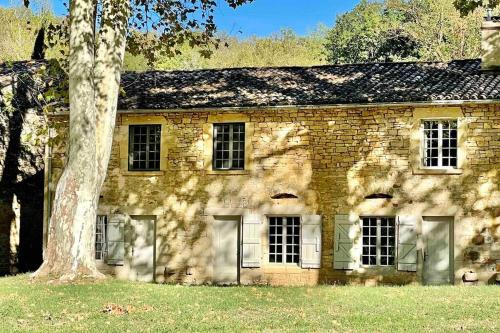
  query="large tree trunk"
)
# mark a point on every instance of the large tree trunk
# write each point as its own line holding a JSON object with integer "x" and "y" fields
{"x": 93, "y": 90}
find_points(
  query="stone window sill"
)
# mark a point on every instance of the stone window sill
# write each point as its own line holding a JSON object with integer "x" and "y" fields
{"x": 421, "y": 171}
{"x": 228, "y": 172}
{"x": 143, "y": 173}
{"x": 270, "y": 268}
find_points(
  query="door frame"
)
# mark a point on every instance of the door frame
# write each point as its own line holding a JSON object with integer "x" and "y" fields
{"x": 450, "y": 220}
{"x": 130, "y": 228}
{"x": 238, "y": 242}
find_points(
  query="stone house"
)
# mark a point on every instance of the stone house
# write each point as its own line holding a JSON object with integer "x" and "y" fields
{"x": 366, "y": 173}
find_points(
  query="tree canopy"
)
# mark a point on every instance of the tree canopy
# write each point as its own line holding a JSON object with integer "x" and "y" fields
{"x": 388, "y": 30}
{"x": 468, "y": 6}
{"x": 404, "y": 30}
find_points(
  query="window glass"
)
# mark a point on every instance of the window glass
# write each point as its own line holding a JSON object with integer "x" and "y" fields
{"x": 440, "y": 143}
{"x": 229, "y": 146}
{"x": 144, "y": 147}
{"x": 100, "y": 237}
{"x": 378, "y": 241}
{"x": 284, "y": 239}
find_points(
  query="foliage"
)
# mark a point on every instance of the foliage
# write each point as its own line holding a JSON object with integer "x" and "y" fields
{"x": 281, "y": 49}
{"x": 19, "y": 28}
{"x": 468, "y": 6}
{"x": 119, "y": 306}
{"x": 404, "y": 30}
{"x": 390, "y": 30}
{"x": 370, "y": 32}
{"x": 172, "y": 23}
{"x": 284, "y": 48}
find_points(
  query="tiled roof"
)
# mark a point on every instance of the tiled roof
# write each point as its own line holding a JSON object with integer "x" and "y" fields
{"x": 320, "y": 85}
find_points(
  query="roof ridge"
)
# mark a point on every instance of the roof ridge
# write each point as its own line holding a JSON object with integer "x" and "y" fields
{"x": 302, "y": 67}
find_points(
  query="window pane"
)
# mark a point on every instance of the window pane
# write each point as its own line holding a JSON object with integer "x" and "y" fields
{"x": 229, "y": 143}
{"x": 284, "y": 239}
{"x": 378, "y": 239}
{"x": 369, "y": 241}
{"x": 387, "y": 241}
{"x": 144, "y": 147}
{"x": 100, "y": 237}
{"x": 439, "y": 143}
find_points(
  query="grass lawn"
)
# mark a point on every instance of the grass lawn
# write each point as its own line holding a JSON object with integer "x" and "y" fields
{"x": 118, "y": 306}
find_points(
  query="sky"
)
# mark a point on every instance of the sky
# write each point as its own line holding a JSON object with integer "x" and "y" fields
{"x": 262, "y": 17}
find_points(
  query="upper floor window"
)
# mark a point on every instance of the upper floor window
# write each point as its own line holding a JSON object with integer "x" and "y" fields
{"x": 439, "y": 144}
{"x": 378, "y": 241}
{"x": 284, "y": 239}
{"x": 229, "y": 146}
{"x": 144, "y": 147}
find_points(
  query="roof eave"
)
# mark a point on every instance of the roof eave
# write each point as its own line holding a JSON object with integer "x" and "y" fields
{"x": 320, "y": 106}
{"x": 310, "y": 107}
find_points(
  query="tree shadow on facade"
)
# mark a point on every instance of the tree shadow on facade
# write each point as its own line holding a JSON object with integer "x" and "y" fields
{"x": 381, "y": 160}
{"x": 330, "y": 158}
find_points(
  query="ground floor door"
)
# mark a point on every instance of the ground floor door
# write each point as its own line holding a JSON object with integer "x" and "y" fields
{"x": 141, "y": 254}
{"x": 438, "y": 259}
{"x": 226, "y": 249}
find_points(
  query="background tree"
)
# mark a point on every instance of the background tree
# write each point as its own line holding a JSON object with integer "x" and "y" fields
{"x": 370, "y": 32}
{"x": 99, "y": 31}
{"x": 284, "y": 48}
{"x": 19, "y": 30}
{"x": 405, "y": 30}
{"x": 442, "y": 33}
{"x": 280, "y": 49}
{"x": 468, "y": 6}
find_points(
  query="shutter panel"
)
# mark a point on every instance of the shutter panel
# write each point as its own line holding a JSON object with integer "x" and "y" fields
{"x": 310, "y": 256}
{"x": 346, "y": 248}
{"x": 407, "y": 243}
{"x": 115, "y": 239}
{"x": 251, "y": 248}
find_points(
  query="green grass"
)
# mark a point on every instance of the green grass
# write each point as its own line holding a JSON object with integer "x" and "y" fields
{"x": 26, "y": 306}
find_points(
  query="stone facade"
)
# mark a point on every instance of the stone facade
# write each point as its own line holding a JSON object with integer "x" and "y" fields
{"x": 330, "y": 158}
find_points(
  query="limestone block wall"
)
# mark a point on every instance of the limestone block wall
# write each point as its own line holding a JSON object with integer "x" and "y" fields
{"x": 330, "y": 158}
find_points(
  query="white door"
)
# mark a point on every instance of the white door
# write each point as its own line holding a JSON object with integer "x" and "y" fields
{"x": 226, "y": 249}
{"x": 437, "y": 234}
{"x": 141, "y": 248}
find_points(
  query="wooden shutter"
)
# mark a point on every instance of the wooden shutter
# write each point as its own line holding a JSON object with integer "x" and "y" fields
{"x": 115, "y": 239}
{"x": 345, "y": 247}
{"x": 407, "y": 243}
{"x": 251, "y": 248}
{"x": 310, "y": 249}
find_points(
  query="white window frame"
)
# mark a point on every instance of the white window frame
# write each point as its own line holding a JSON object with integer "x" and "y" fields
{"x": 378, "y": 241}
{"x": 440, "y": 144}
{"x": 283, "y": 261}
{"x": 103, "y": 241}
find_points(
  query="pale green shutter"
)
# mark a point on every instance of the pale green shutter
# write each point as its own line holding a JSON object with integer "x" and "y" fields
{"x": 251, "y": 248}
{"x": 346, "y": 250}
{"x": 115, "y": 239}
{"x": 310, "y": 250}
{"x": 407, "y": 243}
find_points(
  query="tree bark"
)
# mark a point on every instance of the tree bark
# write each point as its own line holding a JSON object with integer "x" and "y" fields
{"x": 111, "y": 41}
{"x": 93, "y": 90}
